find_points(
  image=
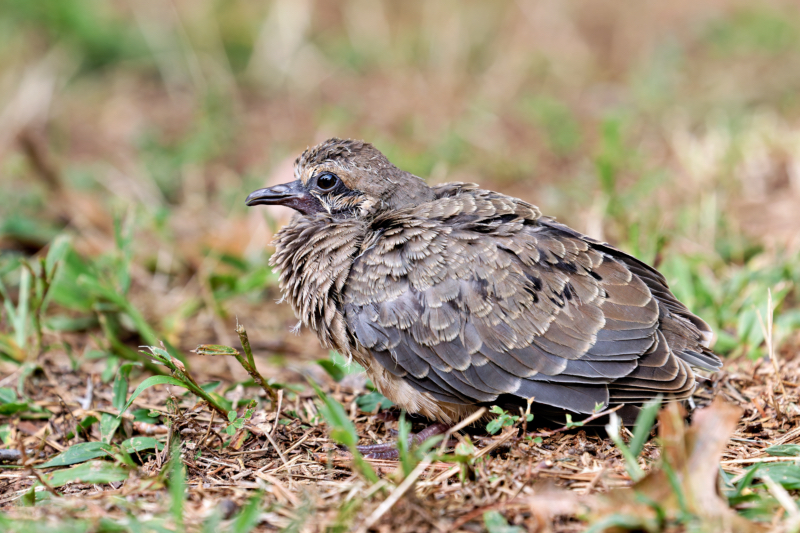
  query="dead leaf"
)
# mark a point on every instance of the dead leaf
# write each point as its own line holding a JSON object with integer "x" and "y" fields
{"x": 683, "y": 488}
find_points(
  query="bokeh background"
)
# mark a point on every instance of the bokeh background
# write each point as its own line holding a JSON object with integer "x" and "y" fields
{"x": 131, "y": 131}
{"x": 137, "y": 128}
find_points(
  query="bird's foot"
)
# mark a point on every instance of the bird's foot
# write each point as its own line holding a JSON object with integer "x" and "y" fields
{"x": 389, "y": 450}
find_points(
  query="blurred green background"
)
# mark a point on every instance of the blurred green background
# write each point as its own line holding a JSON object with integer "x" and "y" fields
{"x": 133, "y": 131}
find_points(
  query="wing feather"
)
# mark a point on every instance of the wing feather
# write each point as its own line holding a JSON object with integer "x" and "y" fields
{"x": 474, "y": 296}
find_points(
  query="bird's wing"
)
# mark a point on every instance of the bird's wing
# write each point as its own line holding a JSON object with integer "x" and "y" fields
{"x": 474, "y": 296}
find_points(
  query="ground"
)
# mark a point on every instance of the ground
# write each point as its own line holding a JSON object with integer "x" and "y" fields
{"x": 131, "y": 132}
{"x": 305, "y": 482}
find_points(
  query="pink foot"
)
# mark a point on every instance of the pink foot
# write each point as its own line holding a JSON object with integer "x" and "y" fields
{"x": 388, "y": 450}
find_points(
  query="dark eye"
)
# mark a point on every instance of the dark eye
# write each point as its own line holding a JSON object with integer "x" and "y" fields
{"x": 327, "y": 182}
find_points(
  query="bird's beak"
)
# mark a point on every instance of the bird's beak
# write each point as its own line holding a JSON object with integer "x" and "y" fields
{"x": 292, "y": 194}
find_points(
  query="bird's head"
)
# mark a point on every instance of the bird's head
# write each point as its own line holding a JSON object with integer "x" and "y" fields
{"x": 345, "y": 178}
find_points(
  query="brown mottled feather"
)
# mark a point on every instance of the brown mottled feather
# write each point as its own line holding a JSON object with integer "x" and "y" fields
{"x": 455, "y": 296}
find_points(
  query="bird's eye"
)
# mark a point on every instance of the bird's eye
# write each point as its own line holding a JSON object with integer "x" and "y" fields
{"x": 327, "y": 182}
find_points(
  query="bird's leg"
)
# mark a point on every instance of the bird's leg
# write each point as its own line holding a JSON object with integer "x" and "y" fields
{"x": 389, "y": 450}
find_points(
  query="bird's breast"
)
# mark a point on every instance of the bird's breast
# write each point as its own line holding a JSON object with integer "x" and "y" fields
{"x": 314, "y": 255}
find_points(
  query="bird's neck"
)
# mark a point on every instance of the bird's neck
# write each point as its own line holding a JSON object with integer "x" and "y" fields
{"x": 314, "y": 255}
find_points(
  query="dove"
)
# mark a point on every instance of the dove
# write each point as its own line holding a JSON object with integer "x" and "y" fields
{"x": 454, "y": 297}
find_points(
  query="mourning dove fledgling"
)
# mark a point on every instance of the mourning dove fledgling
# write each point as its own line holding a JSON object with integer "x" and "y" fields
{"x": 455, "y": 297}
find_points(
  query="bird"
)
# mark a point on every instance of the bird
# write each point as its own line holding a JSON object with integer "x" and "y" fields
{"x": 453, "y": 297}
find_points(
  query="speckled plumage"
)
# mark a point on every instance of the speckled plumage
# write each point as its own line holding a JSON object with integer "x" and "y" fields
{"x": 453, "y": 296}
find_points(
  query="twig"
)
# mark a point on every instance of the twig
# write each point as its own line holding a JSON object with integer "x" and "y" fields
{"x": 275, "y": 445}
{"x": 208, "y": 428}
{"x": 248, "y": 452}
{"x": 445, "y": 475}
{"x": 67, "y": 410}
{"x": 35, "y": 150}
{"x": 595, "y": 480}
{"x": 38, "y": 474}
{"x": 525, "y": 415}
{"x": 44, "y": 483}
{"x": 496, "y": 443}
{"x": 786, "y": 501}
{"x": 289, "y": 464}
{"x": 760, "y": 459}
{"x": 395, "y": 496}
{"x": 10, "y": 455}
{"x": 576, "y": 424}
{"x": 464, "y": 423}
{"x": 736, "y": 394}
{"x": 179, "y": 371}
{"x": 301, "y": 441}
{"x": 250, "y": 366}
{"x": 198, "y": 390}
{"x": 277, "y": 412}
{"x": 286, "y": 493}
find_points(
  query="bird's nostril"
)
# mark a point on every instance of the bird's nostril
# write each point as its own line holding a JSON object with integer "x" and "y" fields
{"x": 289, "y": 194}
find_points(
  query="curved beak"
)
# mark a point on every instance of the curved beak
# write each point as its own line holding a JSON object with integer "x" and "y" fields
{"x": 292, "y": 194}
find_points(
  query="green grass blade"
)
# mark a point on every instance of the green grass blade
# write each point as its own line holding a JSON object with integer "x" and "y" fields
{"x": 78, "y": 453}
{"x": 407, "y": 459}
{"x": 149, "y": 382}
{"x": 343, "y": 431}
{"x": 120, "y": 387}
{"x": 91, "y": 472}
{"x": 177, "y": 485}
{"x": 138, "y": 444}
{"x": 496, "y": 523}
{"x": 19, "y": 319}
{"x": 644, "y": 423}
{"x": 631, "y": 464}
{"x": 108, "y": 426}
{"x": 247, "y": 518}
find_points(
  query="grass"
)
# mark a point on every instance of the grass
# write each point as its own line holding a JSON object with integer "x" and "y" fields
{"x": 130, "y": 135}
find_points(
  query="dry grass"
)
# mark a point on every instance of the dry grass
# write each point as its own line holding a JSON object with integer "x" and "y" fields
{"x": 307, "y": 482}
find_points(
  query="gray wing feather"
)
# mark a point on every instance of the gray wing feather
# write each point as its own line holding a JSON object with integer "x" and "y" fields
{"x": 476, "y": 297}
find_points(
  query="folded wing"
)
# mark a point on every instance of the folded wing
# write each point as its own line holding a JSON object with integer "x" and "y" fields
{"x": 474, "y": 296}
